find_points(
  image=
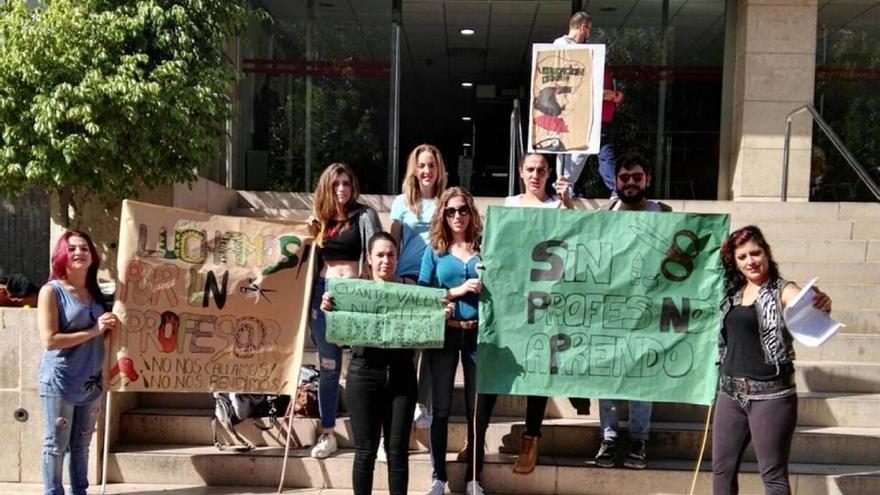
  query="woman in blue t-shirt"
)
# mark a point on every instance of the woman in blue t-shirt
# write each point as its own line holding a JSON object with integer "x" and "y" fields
{"x": 411, "y": 214}
{"x": 72, "y": 320}
{"x": 451, "y": 263}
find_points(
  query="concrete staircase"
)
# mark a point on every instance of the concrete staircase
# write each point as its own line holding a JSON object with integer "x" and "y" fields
{"x": 166, "y": 438}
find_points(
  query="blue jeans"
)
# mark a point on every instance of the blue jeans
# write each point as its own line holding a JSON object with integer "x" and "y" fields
{"x": 68, "y": 430}
{"x": 571, "y": 166}
{"x": 458, "y": 344}
{"x": 639, "y": 418}
{"x": 329, "y": 359}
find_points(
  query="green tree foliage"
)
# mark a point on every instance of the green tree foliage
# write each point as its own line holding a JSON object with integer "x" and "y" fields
{"x": 107, "y": 95}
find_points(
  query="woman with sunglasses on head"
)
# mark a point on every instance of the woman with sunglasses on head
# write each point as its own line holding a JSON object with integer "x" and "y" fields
{"x": 381, "y": 389}
{"x": 72, "y": 323}
{"x": 534, "y": 173}
{"x": 411, "y": 214}
{"x": 757, "y": 399}
{"x": 451, "y": 264}
{"x": 341, "y": 227}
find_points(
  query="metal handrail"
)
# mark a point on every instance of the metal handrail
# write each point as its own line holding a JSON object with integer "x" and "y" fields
{"x": 835, "y": 140}
{"x": 516, "y": 152}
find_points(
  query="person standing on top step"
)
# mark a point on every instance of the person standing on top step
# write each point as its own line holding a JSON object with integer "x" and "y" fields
{"x": 72, "y": 323}
{"x": 571, "y": 165}
{"x": 341, "y": 227}
{"x": 633, "y": 178}
{"x": 534, "y": 172}
{"x": 411, "y": 214}
{"x": 757, "y": 398}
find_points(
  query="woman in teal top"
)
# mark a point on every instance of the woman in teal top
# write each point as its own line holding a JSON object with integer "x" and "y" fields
{"x": 451, "y": 263}
{"x": 411, "y": 211}
{"x": 72, "y": 322}
{"x": 411, "y": 214}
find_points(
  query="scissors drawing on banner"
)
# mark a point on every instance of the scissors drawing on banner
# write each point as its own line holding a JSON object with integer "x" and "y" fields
{"x": 678, "y": 252}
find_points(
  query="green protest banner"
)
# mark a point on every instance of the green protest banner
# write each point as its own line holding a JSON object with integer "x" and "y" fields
{"x": 387, "y": 315}
{"x": 610, "y": 304}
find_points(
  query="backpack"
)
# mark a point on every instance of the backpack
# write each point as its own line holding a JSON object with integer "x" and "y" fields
{"x": 231, "y": 409}
{"x": 305, "y": 404}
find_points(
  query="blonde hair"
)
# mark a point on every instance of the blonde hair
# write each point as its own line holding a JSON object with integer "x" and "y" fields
{"x": 410, "y": 187}
{"x": 325, "y": 207}
{"x": 441, "y": 235}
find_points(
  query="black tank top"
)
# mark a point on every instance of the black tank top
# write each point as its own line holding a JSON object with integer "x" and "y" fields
{"x": 745, "y": 356}
{"x": 343, "y": 240}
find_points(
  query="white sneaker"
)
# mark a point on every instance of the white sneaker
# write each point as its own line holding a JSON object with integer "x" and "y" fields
{"x": 381, "y": 456}
{"x": 437, "y": 488}
{"x": 422, "y": 418}
{"x": 474, "y": 488}
{"x": 326, "y": 445}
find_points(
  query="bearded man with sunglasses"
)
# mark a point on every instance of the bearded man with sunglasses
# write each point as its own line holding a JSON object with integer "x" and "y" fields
{"x": 632, "y": 179}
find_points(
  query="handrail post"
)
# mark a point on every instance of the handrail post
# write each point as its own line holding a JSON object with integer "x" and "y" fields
{"x": 835, "y": 140}
{"x": 785, "y": 157}
{"x": 511, "y": 173}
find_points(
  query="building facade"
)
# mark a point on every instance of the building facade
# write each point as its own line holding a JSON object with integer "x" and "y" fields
{"x": 707, "y": 85}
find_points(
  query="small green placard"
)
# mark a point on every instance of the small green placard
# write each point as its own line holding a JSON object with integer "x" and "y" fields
{"x": 386, "y": 315}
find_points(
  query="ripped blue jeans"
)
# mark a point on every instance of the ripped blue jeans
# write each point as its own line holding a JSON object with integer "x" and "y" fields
{"x": 69, "y": 429}
{"x": 329, "y": 359}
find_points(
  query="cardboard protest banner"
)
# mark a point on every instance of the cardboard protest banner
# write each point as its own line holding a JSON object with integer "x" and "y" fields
{"x": 386, "y": 315}
{"x": 566, "y": 111}
{"x": 618, "y": 305}
{"x": 209, "y": 303}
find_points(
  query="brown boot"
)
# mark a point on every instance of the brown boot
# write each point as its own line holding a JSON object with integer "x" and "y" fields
{"x": 463, "y": 453}
{"x": 528, "y": 455}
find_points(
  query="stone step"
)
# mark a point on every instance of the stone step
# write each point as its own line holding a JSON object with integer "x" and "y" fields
{"x": 758, "y": 211}
{"x": 775, "y": 229}
{"x": 553, "y": 475}
{"x": 852, "y": 348}
{"x": 853, "y": 296}
{"x": 862, "y": 321}
{"x": 560, "y": 437}
{"x": 838, "y": 376}
{"x": 824, "y": 250}
{"x": 831, "y": 272}
{"x": 814, "y": 409}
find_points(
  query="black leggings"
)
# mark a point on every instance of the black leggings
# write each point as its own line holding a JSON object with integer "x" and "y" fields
{"x": 769, "y": 424}
{"x": 381, "y": 399}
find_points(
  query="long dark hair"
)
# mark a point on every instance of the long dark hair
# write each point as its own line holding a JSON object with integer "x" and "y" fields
{"x": 734, "y": 280}
{"x": 60, "y": 259}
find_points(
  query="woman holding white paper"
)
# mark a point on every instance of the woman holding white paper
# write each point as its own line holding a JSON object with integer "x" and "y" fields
{"x": 757, "y": 398}
{"x": 381, "y": 389}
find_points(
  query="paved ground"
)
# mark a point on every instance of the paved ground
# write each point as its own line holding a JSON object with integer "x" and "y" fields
{"x": 137, "y": 489}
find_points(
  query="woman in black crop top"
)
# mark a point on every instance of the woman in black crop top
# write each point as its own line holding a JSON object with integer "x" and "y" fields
{"x": 341, "y": 227}
{"x": 757, "y": 398}
{"x": 380, "y": 390}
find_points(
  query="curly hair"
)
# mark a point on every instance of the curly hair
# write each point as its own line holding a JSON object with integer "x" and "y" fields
{"x": 411, "y": 179}
{"x": 441, "y": 235}
{"x": 734, "y": 280}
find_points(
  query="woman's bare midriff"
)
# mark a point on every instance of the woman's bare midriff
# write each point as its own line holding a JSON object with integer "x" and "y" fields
{"x": 340, "y": 269}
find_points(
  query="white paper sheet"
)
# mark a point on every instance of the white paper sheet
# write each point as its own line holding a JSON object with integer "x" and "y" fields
{"x": 808, "y": 325}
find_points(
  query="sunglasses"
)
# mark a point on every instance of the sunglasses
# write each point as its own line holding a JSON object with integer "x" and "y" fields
{"x": 625, "y": 177}
{"x": 463, "y": 210}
